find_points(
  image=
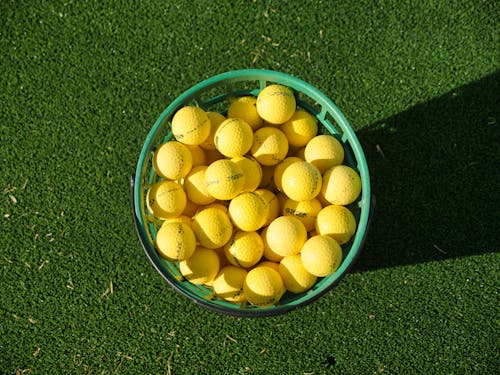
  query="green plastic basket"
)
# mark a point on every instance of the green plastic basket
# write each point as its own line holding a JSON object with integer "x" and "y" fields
{"x": 214, "y": 94}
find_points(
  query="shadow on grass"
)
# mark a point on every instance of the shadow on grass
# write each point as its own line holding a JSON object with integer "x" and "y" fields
{"x": 435, "y": 173}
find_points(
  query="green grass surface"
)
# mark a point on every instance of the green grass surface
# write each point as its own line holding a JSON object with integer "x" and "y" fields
{"x": 82, "y": 82}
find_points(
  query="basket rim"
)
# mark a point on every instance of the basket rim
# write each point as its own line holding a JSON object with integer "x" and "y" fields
{"x": 263, "y": 76}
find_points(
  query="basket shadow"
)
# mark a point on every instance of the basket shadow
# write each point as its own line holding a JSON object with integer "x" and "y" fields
{"x": 434, "y": 171}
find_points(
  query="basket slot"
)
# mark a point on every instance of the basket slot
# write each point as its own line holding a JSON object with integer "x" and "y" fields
{"x": 349, "y": 158}
{"x": 163, "y": 134}
{"x": 155, "y": 222}
{"x": 152, "y": 227}
{"x": 355, "y": 208}
{"x": 152, "y": 172}
{"x": 199, "y": 290}
{"x": 239, "y": 88}
{"x": 230, "y": 305}
{"x": 196, "y": 101}
{"x": 308, "y": 104}
{"x": 151, "y": 239}
{"x": 214, "y": 94}
{"x": 215, "y": 100}
{"x": 267, "y": 82}
{"x": 332, "y": 126}
{"x": 173, "y": 269}
{"x": 153, "y": 177}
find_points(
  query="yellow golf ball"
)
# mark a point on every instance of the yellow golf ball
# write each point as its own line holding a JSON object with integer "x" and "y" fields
{"x": 202, "y": 267}
{"x": 212, "y": 227}
{"x": 321, "y": 255}
{"x": 166, "y": 199}
{"x": 175, "y": 241}
{"x": 224, "y": 179}
{"x": 301, "y": 181}
{"x": 252, "y": 172}
{"x": 263, "y": 286}
{"x": 337, "y": 222}
{"x": 191, "y": 125}
{"x": 324, "y": 151}
{"x": 215, "y": 120}
{"x": 172, "y": 160}
{"x": 244, "y": 249}
{"x": 228, "y": 284}
{"x": 295, "y": 277}
{"x": 194, "y": 185}
{"x": 248, "y": 211}
{"x": 276, "y": 104}
{"x": 300, "y": 128}
{"x": 286, "y": 235}
{"x": 270, "y": 146}
{"x": 341, "y": 185}
{"x": 233, "y": 137}
{"x": 305, "y": 211}
{"x": 245, "y": 108}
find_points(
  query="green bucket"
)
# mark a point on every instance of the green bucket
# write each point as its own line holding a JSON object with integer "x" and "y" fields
{"x": 214, "y": 94}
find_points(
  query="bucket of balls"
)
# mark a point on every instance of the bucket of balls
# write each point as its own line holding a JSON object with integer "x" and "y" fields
{"x": 251, "y": 195}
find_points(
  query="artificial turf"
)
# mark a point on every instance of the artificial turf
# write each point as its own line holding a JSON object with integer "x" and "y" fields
{"x": 82, "y": 83}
